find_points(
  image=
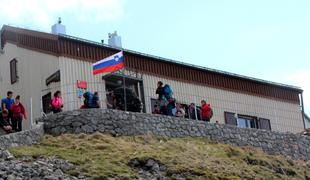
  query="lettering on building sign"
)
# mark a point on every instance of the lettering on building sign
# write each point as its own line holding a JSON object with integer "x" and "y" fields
{"x": 82, "y": 84}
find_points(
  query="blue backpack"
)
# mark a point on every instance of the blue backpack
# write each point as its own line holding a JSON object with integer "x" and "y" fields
{"x": 89, "y": 99}
{"x": 167, "y": 91}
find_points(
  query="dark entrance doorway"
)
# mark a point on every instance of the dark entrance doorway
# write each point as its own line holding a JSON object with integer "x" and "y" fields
{"x": 46, "y": 101}
{"x": 134, "y": 91}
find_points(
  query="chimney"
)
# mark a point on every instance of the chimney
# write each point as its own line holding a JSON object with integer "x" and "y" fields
{"x": 115, "y": 40}
{"x": 58, "y": 28}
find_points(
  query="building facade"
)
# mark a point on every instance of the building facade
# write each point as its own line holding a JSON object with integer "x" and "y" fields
{"x": 36, "y": 64}
{"x": 307, "y": 121}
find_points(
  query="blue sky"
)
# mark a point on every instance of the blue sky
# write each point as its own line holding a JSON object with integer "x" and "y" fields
{"x": 259, "y": 38}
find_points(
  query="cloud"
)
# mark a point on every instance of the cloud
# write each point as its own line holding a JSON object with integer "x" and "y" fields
{"x": 301, "y": 79}
{"x": 43, "y": 13}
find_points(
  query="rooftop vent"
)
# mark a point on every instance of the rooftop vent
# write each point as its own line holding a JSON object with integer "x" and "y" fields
{"x": 115, "y": 40}
{"x": 58, "y": 28}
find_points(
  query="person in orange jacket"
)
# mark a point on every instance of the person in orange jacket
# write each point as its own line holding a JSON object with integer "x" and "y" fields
{"x": 18, "y": 114}
{"x": 206, "y": 112}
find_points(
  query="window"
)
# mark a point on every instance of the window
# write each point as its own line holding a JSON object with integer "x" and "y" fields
{"x": 230, "y": 118}
{"x": 55, "y": 77}
{"x": 13, "y": 71}
{"x": 244, "y": 121}
{"x": 184, "y": 106}
{"x": 264, "y": 124}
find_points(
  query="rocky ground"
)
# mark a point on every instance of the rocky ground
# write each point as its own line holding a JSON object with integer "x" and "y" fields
{"x": 34, "y": 169}
{"x": 54, "y": 169}
{"x": 100, "y": 156}
{"x": 152, "y": 169}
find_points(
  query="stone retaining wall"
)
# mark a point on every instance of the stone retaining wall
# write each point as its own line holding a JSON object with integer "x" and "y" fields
{"x": 125, "y": 123}
{"x": 27, "y": 137}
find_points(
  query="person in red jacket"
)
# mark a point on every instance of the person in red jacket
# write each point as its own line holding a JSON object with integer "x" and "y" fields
{"x": 18, "y": 114}
{"x": 206, "y": 111}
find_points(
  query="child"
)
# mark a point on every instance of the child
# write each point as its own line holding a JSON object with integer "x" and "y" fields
{"x": 18, "y": 113}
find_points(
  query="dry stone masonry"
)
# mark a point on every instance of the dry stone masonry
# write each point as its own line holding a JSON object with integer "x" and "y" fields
{"x": 121, "y": 123}
{"x": 27, "y": 137}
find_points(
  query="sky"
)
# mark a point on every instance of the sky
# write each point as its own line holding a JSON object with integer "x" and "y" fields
{"x": 259, "y": 38}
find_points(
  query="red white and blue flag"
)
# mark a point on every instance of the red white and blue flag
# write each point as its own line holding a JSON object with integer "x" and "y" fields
{"x": 109, "y": 64}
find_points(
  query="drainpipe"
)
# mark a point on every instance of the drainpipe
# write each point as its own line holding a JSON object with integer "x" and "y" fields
{"x": 302, "y": 109}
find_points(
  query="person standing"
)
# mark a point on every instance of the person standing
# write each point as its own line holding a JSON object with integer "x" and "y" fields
{"x": 205, "y": 111}
{"x": 96, "y": 100}
{"x": 6, "y": 104}
{"x": 163, "y": 101}
{"x": 57, "y": 103}
{"x": 18, "y": 114}
{"x": 194, "y": 112}
{"x": 111, "y": 101}
{"x": 160, "y": 90}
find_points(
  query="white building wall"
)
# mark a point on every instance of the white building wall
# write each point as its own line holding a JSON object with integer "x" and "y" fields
{"x": 33, "y": 68}
{"x": 307, "y": 123}
{"x": 283, "y": 116}
{"x": 72, "y": 70}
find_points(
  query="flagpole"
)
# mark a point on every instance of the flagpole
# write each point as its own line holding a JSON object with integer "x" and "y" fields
{"x": 125, "y": 95}
{"x": 196, "y": 114}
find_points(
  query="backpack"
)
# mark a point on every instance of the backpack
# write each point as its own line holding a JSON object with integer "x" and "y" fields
{"x": 88, "y": 99}
{"x": 95, "y": 101}
{"x": 167, "y": 91}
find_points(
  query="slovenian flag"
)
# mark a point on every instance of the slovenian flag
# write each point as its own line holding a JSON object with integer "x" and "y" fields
{"x": 109, "y": 64}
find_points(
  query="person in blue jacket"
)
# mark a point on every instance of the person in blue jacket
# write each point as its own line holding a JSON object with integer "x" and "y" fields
{"x": 6, "y": 103}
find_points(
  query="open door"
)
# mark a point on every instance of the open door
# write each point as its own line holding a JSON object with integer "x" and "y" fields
{"x": 46, "y": 100}
{"x": 134, "y": 92}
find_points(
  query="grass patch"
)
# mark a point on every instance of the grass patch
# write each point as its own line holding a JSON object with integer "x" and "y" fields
{"x": 102, "y": 156}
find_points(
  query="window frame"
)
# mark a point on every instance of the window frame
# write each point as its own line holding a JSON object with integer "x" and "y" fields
{"x": 155, "y": 101}
{"x": 248, "y": 118}
{"x": 265, "y": 119}
{"x": 257, "y": 120}
{"x": 226, "y": 120}
{"x": 13, "y": 71}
